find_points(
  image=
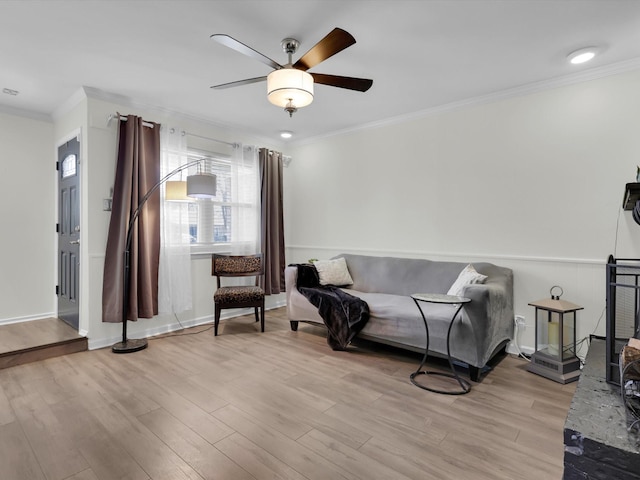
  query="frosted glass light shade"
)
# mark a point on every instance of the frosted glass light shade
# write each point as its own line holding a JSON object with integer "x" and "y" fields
{"x": 290, "y": 85}
{"x": 176, "y": 191}
{"x": 202, "y": 185}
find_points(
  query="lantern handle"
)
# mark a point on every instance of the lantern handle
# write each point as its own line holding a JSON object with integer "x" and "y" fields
{"x": 556, "y": 297}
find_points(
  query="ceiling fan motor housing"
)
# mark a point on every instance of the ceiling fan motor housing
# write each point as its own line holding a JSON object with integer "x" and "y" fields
{"x": 290, "y": 46}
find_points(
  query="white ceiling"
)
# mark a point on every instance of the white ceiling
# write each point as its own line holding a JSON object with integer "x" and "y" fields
{"x": 420, "y": 54}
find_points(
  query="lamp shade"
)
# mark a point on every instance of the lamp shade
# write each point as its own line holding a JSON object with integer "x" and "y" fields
{"x": 290, "y": 85}
{"x": 176, "y": 191}
{"x": 202, "y": 185}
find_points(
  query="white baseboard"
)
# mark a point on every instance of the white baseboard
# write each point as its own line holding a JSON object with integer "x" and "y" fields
{"x": 95, "y": 344}
{"x": 28, "y": 318}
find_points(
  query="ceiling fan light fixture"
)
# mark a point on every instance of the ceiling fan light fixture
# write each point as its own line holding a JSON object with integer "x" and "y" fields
{"x": 290, "y": 88}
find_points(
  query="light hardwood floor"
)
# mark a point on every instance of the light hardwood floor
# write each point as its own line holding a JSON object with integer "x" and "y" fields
{"x": 273, "y": 405}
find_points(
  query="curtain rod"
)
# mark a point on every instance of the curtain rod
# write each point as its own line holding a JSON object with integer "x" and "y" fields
{"x": 124, "y": 119}
{"x": 231, "y": 144}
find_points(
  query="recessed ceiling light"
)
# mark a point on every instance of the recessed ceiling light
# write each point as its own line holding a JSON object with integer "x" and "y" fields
{"x": 9, "y": 91}
{"x": 286, "y": 134}
{"x": 583, "y": 55}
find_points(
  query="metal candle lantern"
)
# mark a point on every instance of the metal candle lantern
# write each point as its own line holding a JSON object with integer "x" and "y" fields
{"x": 555, "y": 356}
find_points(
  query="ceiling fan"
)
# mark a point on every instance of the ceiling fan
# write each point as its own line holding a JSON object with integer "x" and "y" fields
{"x": 290, "y": 86}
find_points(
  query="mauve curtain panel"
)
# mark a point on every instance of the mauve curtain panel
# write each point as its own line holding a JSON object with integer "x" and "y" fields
{"x": 137, "y": 171}
{"x": 272, "y": 225}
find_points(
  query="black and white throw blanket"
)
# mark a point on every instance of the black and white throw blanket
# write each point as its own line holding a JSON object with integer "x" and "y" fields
{"x": 343, "y": 314}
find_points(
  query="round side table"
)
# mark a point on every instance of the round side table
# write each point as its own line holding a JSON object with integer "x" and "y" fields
{"x": 449, "y": 300}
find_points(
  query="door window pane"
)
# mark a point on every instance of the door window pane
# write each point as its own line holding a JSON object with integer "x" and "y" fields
{"x": 69, "y": 166}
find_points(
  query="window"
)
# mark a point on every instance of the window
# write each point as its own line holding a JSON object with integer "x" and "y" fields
{"x": 231, "y": 216}
{"x": 210, "y": 219}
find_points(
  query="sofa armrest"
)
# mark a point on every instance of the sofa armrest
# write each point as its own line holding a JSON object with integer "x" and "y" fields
{"x": 490, "y": 315}
{"x": 299, "y": 309}
{"x": 290, "y": 280}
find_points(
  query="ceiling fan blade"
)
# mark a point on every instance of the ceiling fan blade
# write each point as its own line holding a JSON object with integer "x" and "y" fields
{"x": 231, "y": 42}
{"x": 351, "y": 83}
{"x": 239, "y": 83}
{"x": 335, "y": 41}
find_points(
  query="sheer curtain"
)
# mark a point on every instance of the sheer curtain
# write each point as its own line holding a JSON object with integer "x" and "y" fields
{"x": 245, "y": 233}
{"x": 174, "y": 275}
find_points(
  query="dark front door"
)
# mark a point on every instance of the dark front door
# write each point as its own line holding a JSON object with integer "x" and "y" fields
{"x": 69, "y": 232}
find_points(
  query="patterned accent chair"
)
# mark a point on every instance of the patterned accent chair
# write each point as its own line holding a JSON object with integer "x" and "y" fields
{"x": 238, "y": 296}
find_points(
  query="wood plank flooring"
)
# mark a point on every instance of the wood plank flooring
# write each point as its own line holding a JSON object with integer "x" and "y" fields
{"x": 276, "y": 405}
{"x": 37, "y": 340}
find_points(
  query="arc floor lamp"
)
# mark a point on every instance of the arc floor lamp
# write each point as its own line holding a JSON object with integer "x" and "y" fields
{"x": 201, "y": 185}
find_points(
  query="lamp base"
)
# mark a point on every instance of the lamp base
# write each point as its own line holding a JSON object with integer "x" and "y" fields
{"x": 559, "y": 371}
{"x": 130, "y": 346}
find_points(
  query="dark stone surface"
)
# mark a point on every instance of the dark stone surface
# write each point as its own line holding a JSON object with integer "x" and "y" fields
{"x": 597, "y": 443}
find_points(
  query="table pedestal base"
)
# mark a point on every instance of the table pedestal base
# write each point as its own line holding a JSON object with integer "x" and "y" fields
{"x": 464, "y": 385}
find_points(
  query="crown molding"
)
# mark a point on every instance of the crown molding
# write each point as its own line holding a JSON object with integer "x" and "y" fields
{"x": 72, "y": 102}
{"x": 530, "y": 88}
{"x": 177, "y": 116}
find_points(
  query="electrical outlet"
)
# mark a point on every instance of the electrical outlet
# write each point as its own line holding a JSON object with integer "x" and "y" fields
{"x": 521, "y": 322}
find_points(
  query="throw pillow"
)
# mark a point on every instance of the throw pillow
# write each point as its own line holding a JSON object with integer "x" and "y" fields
{"x": 333, "y": 272}
{"x": 467, "y": 276}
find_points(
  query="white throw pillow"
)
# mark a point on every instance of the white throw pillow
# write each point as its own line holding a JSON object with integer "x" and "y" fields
{"x": 333, "y": 272}
{"x": 467, "y": 276}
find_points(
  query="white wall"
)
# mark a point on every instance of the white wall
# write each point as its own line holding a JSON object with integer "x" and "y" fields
{"x": 27, "y": 212}
{"x": 534, "y": 183}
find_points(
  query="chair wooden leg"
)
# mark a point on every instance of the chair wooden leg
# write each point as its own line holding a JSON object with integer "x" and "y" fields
{"x": 255, "y": 311}
{"x": 216, "y": 321}
{"x": 262, "y": 318}
{"x": 294, "y": 325}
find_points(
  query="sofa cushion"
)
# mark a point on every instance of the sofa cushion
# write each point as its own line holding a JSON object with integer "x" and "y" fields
{"x": 468, "y": 276}
{"x": 396, "y": 318}
{"x": 333, "y": 272}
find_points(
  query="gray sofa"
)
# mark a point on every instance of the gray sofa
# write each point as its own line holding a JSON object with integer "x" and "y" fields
{"x": 386, "y": 284}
